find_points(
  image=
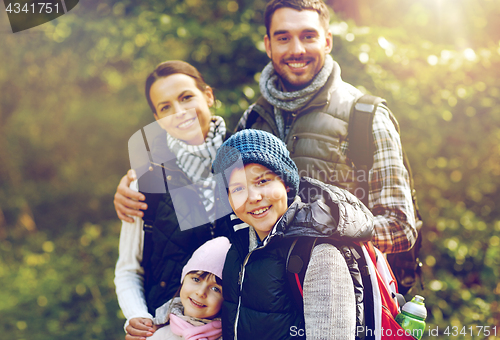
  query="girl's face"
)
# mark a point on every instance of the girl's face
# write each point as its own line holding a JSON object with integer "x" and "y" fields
{"x": 258, "y": 197}
{"x": 181, "y": 108}
{"x": 201, "y": 296}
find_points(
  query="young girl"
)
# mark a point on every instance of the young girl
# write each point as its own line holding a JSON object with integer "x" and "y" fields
{"x": 194, "y": 314}
{"x": 261, "y": 182}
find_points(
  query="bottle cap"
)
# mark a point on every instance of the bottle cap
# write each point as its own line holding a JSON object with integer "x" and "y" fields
{"x": 416, "y": 307}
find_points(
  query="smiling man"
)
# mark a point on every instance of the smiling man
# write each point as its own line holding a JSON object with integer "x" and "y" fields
{"x": 297, "y": 42}
{"x": 307, "y": 105}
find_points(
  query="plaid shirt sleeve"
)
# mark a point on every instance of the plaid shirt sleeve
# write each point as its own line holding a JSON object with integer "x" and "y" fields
{"x": 390, "y": 194}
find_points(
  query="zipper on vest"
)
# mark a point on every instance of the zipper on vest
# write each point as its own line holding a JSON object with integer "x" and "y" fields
{"x": 237, "y": 318}
{"x": 295, "y": 139}
{"x": 240, "y": 286}
{"x": 240, "y": 275}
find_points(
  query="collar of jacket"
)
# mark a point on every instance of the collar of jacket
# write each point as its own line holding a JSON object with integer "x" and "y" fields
{"x": 321, "y": 99}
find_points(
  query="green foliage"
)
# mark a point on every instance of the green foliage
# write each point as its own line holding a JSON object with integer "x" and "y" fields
{"x": 72, "y": 95}
{"x": 60, "y": 287}
{"x": 446, "y": 101}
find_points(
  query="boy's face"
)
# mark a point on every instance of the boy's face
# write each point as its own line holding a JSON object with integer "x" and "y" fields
{"x": 258, "y": 197}
{"x": 201, "y": 297}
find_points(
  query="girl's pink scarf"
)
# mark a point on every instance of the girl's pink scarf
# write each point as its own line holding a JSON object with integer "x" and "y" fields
{"x": 210, "y": 331}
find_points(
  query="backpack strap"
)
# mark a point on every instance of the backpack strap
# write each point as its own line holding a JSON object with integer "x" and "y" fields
{"x": 149, "y": 178}
{"x": 406, "y": 265}
{"x": 298, "y": 259}
{"x": 361, "y": 145}
{"x": 358, "y": 269}
{"x": 152, "y": 201}
{"x": 360, "y": 129}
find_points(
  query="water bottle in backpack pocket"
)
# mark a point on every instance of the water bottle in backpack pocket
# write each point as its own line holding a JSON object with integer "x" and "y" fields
{"x": 412, "y": 317}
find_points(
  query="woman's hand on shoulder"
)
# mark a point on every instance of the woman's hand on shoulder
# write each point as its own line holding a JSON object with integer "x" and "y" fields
{"x": 127, "y": 200}
{"x": 140, "y": 329}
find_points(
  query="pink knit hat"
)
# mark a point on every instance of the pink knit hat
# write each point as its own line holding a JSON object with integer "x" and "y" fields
{"x": 209, "y": 257}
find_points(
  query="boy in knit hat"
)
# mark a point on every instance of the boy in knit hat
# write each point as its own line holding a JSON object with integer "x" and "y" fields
{"x": 194, "y": 314}
{"x": 260, "y": 182}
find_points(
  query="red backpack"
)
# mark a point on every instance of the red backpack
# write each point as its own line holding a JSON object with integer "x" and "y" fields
{"x": 374, "y": 284}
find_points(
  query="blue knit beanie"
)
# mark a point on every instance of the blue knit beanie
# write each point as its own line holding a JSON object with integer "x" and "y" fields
{"x": 255, "y": 146}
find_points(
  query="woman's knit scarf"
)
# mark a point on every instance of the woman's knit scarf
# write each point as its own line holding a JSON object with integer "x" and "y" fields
{"x": 290, "y": 101}
{"x": 196, "y": 161}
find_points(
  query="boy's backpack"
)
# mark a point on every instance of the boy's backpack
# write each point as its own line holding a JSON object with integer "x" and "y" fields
{"x": 406, "y": 265}
{"x": 374, "y": 286}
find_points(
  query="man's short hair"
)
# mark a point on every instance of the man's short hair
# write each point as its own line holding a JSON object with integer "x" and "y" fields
{"x": 314, "y": 5}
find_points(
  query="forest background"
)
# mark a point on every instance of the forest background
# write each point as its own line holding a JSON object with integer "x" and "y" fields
{"x": 71, "y": 95}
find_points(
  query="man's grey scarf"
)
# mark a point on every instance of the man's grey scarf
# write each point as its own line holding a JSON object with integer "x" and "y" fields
{"x": 196, "y": 160}
{"x": 290, "y": 101}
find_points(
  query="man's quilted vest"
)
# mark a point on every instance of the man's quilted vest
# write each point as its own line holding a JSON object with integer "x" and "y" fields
{"x": 317, "y": 140}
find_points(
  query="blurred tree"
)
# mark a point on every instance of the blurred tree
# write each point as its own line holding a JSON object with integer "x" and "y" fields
{"x": 72, "y": 95}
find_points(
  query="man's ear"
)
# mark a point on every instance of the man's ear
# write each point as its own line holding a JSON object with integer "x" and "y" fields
{"x": 209, "y": 93}
{"x": 267, "y": 44}
{"x": 329, "y": 42}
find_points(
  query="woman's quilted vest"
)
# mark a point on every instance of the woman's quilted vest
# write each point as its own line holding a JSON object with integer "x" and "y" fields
{"x": 172, "y": 247}
{"x": 179, "y": 223}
